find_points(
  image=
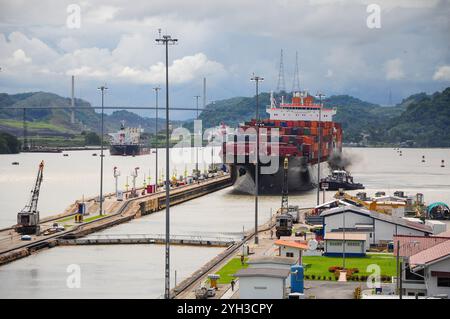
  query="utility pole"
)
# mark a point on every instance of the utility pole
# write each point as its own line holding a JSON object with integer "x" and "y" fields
{"x": 167, "y": 40}
{"x": 25, "y": 130}
{"x": 319, "y": 155}
{"x": 72, "y": 102}
{"x": 102, "y": 88}
{"x": 156, "y": 138}
{"x": 257, "y": 79}
{"x": 196, "y": 148}
{"x": 343, "y": 237}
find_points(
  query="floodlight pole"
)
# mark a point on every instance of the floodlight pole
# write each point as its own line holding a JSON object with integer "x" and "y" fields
{"x": 102, "y": 88}
{"x": 156, "y": 138}
{"x": 257, "y": 79}
{"x": 166, "y": 40}
{"x": 319, "y": 155}
{"x": 196, "y": 148}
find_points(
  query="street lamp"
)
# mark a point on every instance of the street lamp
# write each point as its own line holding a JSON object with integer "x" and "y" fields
{"x": 319, "y": 96}
{"x": 167, "y": 40}
{"x": 196, "y": 148}
{"x": 102, "y": 88}
{"x": 257, "y": 79}
{"x": 156, "y": 137}
{"x": 400, "y": 266}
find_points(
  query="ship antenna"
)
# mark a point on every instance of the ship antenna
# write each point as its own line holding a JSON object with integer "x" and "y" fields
{"x": 296, "y": 83}
{"x": 281, "y": 84}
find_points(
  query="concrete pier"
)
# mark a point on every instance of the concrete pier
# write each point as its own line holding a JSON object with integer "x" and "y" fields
{"x": 117, "y": 212}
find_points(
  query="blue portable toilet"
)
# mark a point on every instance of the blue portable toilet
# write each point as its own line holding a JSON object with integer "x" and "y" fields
{"x": 82, "y": 208}
{"x": 297, "y": 284}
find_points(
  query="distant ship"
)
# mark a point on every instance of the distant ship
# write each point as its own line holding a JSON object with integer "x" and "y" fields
{"x": 127, "y": 141}
{"x": 298, "y": 126}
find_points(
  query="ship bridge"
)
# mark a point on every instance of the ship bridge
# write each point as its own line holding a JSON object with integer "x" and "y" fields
{"x": 301, "y": 108}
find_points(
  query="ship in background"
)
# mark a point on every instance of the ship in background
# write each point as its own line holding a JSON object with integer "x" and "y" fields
{"x": 127, "y": 141}
{"x": 298, "y": 126}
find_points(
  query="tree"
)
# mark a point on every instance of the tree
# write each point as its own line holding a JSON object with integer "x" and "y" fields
{"x": 9, "y": 144}
{"x": 92, "y": 138}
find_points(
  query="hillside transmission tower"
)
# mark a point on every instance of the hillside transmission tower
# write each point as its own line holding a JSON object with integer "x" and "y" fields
{"x": 296, "y": 82}
{"x": 281, "y": 86}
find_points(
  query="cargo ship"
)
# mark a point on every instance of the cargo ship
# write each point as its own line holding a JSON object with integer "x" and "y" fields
{"x": 127, "y": 141}
{"x": 291, "y": 131}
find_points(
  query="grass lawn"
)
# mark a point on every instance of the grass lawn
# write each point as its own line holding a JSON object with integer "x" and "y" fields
{"x": 85, "y": 220}
{"x": 318, "y": 265}
{"x": 227, "y": 271}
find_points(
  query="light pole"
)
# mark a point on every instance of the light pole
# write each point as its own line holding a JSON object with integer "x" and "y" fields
{"x": 196, "y": 148}
{"x": 400, "y": 266}
{"x": 102, "y": 88}
{"x": 167, "y": 40}
{"x": 320, "y": 96}
{"x": 156, "y": 138}
{"x": 257, "y": 79}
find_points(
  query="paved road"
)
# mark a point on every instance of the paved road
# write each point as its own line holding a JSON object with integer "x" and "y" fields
{"x": 321, "y": 289}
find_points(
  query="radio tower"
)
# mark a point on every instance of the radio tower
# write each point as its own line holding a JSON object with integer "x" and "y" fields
{"x": 281, "y": 84}
{"x": 296, "y": 83}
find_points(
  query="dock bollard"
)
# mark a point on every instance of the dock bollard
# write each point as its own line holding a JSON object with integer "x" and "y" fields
{"x": 442, "y": 163}
{"x": 423, "y": 158}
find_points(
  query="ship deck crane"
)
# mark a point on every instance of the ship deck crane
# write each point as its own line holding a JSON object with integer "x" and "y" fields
{"x": 28, "y": 217}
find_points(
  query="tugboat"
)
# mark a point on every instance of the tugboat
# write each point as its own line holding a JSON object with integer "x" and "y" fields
{"x": 340, "y": 179}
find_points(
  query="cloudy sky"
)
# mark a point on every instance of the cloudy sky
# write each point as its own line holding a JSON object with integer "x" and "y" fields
{"x": 42, "y": 43}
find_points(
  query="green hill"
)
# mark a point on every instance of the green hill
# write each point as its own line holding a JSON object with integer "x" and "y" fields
{"x": 57, "y": 122}
{"x": 419, "y": 120}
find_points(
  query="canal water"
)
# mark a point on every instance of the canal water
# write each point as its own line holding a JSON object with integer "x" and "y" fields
{"x": 137, "y": 271}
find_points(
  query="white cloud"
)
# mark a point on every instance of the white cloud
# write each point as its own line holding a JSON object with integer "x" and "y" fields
{"x": 100, "y": 64}
{"x": 394, "y": 69}
{"x": 442, "y": 73}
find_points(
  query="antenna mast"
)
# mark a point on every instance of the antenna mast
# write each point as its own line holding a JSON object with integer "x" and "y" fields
{"x": 281, "y": 86}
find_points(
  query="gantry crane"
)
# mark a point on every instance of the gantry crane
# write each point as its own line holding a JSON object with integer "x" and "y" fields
{"x": 28, "y": 217}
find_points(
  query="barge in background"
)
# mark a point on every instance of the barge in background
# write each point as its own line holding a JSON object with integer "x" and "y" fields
{"x": 127, "y": 141}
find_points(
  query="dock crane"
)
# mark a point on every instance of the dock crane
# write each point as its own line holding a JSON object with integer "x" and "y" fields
{"x": 285, "y": 219}
{"x": 28, "y": 217}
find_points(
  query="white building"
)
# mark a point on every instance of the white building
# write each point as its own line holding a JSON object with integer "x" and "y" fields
{"x": 274, "y": 262}
{"x": 291, "y": 248}
{"x": 262, "y": 283}
{"x": 426, "y": 264}
{"x": 379, "y": 227}
{"x": 434, "y": 264}
{"x": 355, "y": 244}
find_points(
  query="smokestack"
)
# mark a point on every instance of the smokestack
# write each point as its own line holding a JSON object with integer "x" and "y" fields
{"x": 72, "y": 104}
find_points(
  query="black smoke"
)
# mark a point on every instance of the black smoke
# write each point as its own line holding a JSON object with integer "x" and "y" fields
{"x": 339, "y": 161}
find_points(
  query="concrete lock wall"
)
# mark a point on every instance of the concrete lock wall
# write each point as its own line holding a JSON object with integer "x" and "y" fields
{"x": 261, "y": 288}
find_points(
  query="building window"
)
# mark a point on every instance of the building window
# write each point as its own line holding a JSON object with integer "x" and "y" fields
{"x": 334, "y": 243}
{"x": 289, "y": 254}
{"x": 353, "y": 243}
{"x": 443, "y": 282}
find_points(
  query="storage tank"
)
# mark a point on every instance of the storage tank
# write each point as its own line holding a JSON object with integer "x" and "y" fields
{"x": 297, "y": 278}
